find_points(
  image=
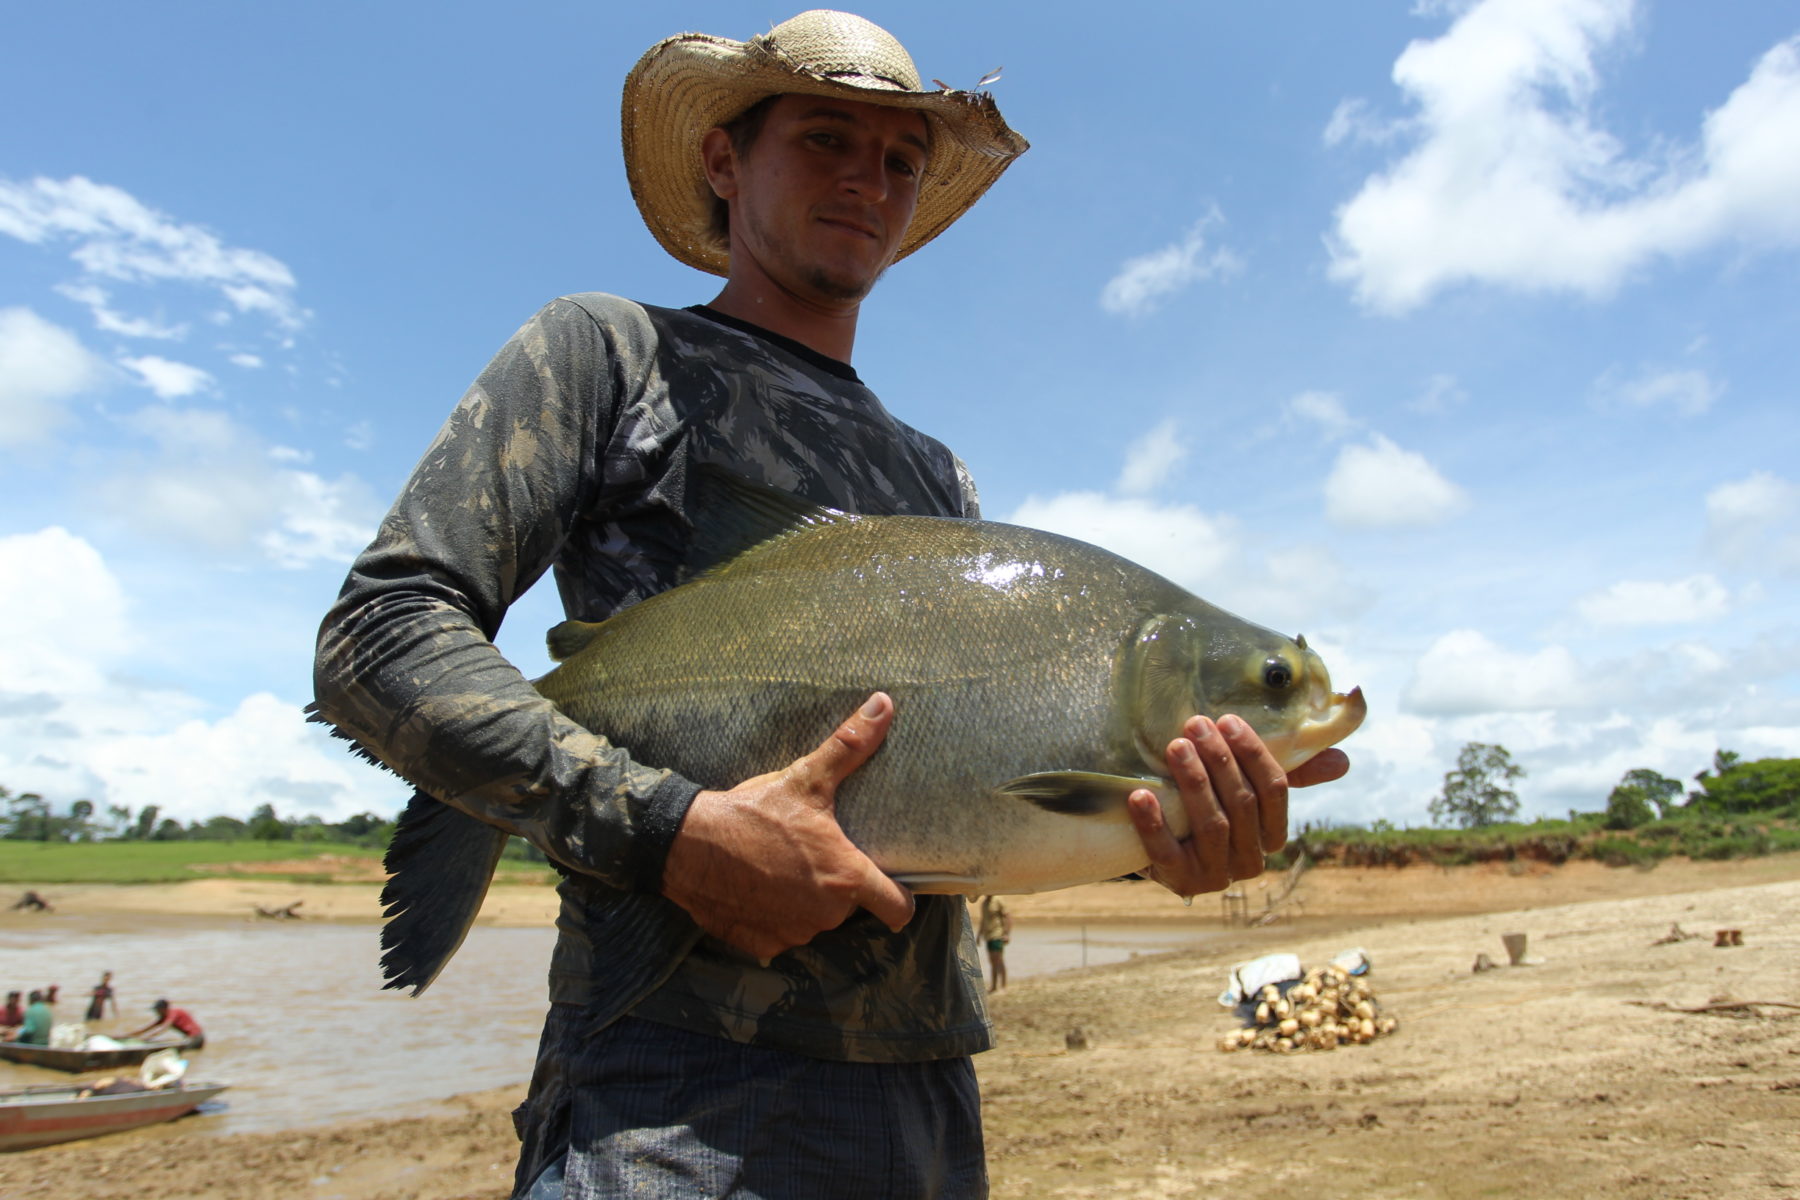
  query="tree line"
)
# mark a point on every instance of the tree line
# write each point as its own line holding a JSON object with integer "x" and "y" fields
{"x": 1477, "y": 792}
{"x": 29, "y": 817}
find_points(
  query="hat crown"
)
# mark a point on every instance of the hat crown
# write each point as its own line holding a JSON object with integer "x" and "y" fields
{"x": 842, "y": 46}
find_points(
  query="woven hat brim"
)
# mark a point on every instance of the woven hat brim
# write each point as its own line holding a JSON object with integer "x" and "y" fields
{"x": 688, "y": 84}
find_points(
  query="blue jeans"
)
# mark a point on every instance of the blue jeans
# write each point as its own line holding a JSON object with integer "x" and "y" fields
{"x": 648, "y": 1110}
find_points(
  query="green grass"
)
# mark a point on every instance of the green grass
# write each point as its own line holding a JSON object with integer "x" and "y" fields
{"x": 172, "y": 862}
{"x": 146, "y": 862}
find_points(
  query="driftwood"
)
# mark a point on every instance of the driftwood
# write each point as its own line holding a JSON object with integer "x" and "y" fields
{"x": 1716, "y": 1006}
{"x": 280, "y": 914}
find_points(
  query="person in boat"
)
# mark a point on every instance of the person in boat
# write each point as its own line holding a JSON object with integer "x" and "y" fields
{"x": 35, "y": 1029}
{"x": 13, "y": 1015}
{"x": 178, "y": 1019}
{"x": 101, "y": 996}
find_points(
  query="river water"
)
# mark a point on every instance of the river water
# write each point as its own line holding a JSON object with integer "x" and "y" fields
{"x": 296, "y": 1021}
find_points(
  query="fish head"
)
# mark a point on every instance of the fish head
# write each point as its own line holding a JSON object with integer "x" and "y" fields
{"x": 1213, "y": 663}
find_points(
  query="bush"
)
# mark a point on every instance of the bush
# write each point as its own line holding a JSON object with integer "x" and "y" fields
{"x": 1626, "y": 852}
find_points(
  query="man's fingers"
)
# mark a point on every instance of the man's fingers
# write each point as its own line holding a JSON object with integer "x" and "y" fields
{"x": 1231, "y": 776}
{"x": 1164, "y": 850}
{"x": 891, "y": 902}
{"x": 850, "y": 744}
{"x": 1268, "y": 785}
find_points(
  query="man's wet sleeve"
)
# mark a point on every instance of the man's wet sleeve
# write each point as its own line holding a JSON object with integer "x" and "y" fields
{"x": 406, "y": 667}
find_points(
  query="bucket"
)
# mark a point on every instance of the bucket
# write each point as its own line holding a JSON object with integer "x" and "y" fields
{"x": 1515, "y": 947}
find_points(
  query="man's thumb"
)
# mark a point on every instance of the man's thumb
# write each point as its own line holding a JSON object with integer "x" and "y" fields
{"x": 852, "y": 743}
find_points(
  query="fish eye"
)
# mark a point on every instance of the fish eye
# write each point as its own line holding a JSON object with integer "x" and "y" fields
{"x": 1277, "y": 674}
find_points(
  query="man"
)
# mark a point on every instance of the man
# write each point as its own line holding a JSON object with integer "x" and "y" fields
{"x": 35, "y": 1029}
{"x": 994, "y": 931}
{"x": 178, "y": 1019}
{"x": 741, "y": 1002}
{"x": 102, "y": 996}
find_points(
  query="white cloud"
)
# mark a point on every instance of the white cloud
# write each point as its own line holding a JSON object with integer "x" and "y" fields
{"x": 1147, "y": 463}
{"x": 1511, "y": 181}
{"x": 1756, "y": 521}
{"x": 1379, "y": 485}
{"x": 1642, "y": 602}
{"x": 41, "y": 365}
{"x": 263, "y": 752}
{"x": 214, "y": 484}
{"x": 1142, "y": 285}
{"x": 1689, "y": 392}
{"x": 1354, "y": 120}
{"x": 1463, "y": 673}
{"x": 62, "y": 610}
{"x": 76, "y": 718}
{"x": 169, "y": 379}
{"x": 249, "y": 362}
{"x": 1177, "y": 541}
{"x": 1325, "y": 410}
{"x": 110, "y": 320}
{"x": 1442, "y": 393}
{"x": 116, "y": 237}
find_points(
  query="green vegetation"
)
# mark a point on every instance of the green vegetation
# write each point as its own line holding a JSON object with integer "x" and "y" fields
{"x": 144, "y": 862}
{"x": 1738, "y": 810}
{"x": 79, "y": 844}
{"x": 1474, "y": 795}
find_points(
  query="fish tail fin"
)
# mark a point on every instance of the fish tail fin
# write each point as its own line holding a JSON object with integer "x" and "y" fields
{"x": 440, "y": 862}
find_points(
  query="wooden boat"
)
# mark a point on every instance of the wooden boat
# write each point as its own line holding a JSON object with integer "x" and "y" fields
{"x": 43, "y": 1116}
{"x": 58, "y": 1058}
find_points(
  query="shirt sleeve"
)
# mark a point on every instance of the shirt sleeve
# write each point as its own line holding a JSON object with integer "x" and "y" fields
{"x": 406, "y": 667}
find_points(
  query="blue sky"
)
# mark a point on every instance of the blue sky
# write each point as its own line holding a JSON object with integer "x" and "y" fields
{"x": 1462, "y": 338}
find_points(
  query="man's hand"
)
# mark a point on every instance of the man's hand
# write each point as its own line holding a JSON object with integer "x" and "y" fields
{"x": 765, "y": 866}
{"x": 1235, "y": 795}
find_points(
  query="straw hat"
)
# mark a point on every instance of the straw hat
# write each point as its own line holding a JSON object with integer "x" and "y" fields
{"x": 687, "y": 84}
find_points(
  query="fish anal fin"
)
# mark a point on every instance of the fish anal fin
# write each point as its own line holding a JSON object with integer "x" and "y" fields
{"x": 1080, "y": 793}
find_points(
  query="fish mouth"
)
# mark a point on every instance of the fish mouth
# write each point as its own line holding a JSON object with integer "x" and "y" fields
{"x": 1337, "y": 718}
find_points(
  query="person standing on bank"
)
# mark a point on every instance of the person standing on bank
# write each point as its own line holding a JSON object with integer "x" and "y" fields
{"x": 741, "y": 1003}
{"x": 994, "y": 932}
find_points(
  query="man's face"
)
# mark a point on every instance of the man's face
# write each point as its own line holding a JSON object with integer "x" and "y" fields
{"x": 822, "y": 199}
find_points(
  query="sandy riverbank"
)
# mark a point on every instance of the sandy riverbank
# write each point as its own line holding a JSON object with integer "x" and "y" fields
{"x": 1334, "y": 894}
{"x": 1558, "y": 1079}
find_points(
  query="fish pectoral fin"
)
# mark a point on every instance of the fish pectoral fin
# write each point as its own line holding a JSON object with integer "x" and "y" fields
{"x": 942, "y": 885}
{"x": 1080, "y": 793}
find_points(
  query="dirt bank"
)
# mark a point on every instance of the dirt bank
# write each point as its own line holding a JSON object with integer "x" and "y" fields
{"x": 1568, "y": 1078}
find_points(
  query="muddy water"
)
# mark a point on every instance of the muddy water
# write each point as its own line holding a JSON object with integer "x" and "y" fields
{"x": 297, "y": 1024}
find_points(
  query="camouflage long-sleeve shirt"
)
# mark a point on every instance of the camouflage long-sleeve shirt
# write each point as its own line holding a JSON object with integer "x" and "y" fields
{"x": 573, "y": 451}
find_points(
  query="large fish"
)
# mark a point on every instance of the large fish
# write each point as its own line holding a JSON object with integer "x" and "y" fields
{"x": 1036, "y": 681}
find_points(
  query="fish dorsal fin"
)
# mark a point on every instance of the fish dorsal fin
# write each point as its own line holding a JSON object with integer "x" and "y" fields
{"x": 733, "y": 515}
{"x": 566, "y": 639}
